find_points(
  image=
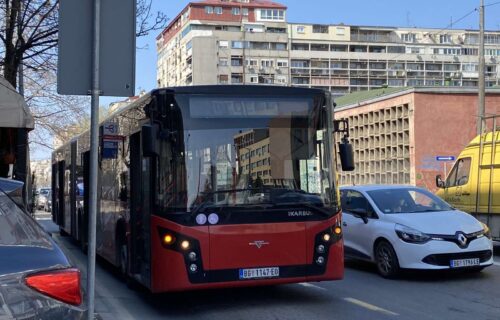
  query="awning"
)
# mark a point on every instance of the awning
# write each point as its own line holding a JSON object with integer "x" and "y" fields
{"x": 14, "y": 112}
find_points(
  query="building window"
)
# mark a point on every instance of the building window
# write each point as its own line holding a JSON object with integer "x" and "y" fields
{"x": 408, "y": 37}
{"x": 282, "y": 63}
{"x": 236, "y": 78}
{"x": 340, "y": 31}
{"x": 265, "y": 63}
{"x": 209, "y": 10}
{"x": 244, "y": 11}
{"x": 223, "y": 79}
{"x": 300, "y": 46}
{"x": 235, "y": 11}
{"x": 318, "y": 28}
{"x": 223, "y": 62}
{"x": 272, "y": 14}
{"x": 218, "y": 10}
{"x": 254, "y": 79}
{"x": 238, "y": 45}
{"x": 223, "y": 44}
{"x": 276, "y": 30}
{"x": 415, "y": 50}
{"x": 445, "y": 38}
{"x": 301, "y": 29}
{"x": 280, "y": 80}
{"x": 251, "y": 62}
{"x": 319, "y": 47}
{"x": 236, "y": 61}
{"x": 278, "y": 46}
{"x": 470, "y": 67}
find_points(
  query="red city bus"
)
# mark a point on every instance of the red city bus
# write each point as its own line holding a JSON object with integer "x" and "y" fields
{"x": 211, "y": 186}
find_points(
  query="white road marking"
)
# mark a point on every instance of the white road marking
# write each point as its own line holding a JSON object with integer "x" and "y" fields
{"x": 44, "y": 219}
{"x": 309, "y": 285}
{"x": 370, "y": 306}
{"x": 496, "y": 263}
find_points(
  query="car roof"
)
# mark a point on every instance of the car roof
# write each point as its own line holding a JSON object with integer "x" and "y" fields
{"x": 373, "y": 187}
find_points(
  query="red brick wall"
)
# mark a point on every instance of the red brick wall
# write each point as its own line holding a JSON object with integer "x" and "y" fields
{"x": 444, "y": 125}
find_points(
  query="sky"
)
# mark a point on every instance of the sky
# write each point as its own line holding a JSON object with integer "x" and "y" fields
{"x": 399, "y": 13}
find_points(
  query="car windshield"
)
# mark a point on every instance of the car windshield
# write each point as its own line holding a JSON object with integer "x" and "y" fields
{"x": 407, "y": 200}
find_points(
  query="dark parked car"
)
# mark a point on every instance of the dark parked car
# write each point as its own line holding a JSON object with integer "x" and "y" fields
{"x": 36, "y": 279}
{"x": 14, "y": 189}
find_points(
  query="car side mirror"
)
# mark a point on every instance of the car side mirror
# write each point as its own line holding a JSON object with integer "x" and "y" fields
{"x": 439, "y": 182}
{"x": 360, "y": 213}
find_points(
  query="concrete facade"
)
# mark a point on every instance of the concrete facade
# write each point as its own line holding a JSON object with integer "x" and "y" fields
{"x": 397, "y": 136}
{"x": 250, "y": 42}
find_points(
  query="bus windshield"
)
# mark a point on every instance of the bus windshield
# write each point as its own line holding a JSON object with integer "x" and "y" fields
{"x": 245, "y": 152}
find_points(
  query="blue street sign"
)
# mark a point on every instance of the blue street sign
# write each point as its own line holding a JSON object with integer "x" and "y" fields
{"x": 445, "y": 158}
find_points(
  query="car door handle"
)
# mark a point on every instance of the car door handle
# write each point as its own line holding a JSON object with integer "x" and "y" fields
{"x": 465, "y": 193}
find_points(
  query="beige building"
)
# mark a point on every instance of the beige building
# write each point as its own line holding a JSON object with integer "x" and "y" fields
{"x": 250, "y": 42}
{"x": 42, "y": 169}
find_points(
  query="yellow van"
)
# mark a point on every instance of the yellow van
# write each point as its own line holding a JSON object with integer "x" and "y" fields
{"x": 473, "y": 184}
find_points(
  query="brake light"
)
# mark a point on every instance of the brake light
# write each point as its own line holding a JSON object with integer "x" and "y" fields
{"x": 63, "y": 285}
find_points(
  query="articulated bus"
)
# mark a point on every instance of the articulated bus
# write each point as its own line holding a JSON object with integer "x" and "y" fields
{"x": 211, "y": 186}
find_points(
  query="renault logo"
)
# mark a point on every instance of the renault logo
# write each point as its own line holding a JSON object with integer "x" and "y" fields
{"x": 258, "y": 243}
{"x": 462, "y": 239}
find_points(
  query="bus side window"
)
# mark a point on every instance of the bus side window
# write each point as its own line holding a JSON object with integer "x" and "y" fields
{"x": 459, "y": 175}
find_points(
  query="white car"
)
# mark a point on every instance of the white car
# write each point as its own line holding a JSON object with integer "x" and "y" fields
{"x": 404, "y": 227}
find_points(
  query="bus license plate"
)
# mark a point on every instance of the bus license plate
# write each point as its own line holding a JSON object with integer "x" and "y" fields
{"x": 464, "y": 263}
{"x": 259, "y": 273}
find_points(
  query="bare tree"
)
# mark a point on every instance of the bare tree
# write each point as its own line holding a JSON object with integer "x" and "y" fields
{"x": 28, "y": 37}
{"x": 29, "y": 29}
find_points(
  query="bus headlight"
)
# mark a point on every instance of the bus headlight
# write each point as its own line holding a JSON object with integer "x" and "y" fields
{"x": 185, "y": 244}
{"x": 326, "y": 237}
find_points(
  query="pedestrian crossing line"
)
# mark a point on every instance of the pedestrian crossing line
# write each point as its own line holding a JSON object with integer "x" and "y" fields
{"x": 370, "y": 306}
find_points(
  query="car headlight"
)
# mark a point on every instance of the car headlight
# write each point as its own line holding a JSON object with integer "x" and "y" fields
{"x": 486, "y": 231}
{"x": 410, "y": 235}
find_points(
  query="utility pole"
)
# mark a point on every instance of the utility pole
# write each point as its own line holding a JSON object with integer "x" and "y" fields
{"x": 94, "y": 144}
{"x": 481, "y": 123}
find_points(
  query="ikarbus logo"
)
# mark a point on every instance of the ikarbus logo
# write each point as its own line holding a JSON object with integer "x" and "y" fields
{"x": 300, "y": 213}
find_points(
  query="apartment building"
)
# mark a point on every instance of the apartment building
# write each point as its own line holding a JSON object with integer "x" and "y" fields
{"x": 251, "y": 42}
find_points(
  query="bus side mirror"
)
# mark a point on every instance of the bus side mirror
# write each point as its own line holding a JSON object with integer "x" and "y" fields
{"x": 345, "y": 148}
{"x": 439, "y": 182}
{"x": 149, "y": 137}
{"x": 346, "y": 155}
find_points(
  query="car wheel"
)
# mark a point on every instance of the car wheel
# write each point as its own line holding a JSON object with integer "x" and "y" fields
{"x": 386, "y": 260}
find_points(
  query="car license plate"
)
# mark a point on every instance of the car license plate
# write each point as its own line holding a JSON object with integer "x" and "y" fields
{"x": 259, "y": 273}
{"x": 464, "y": 263}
